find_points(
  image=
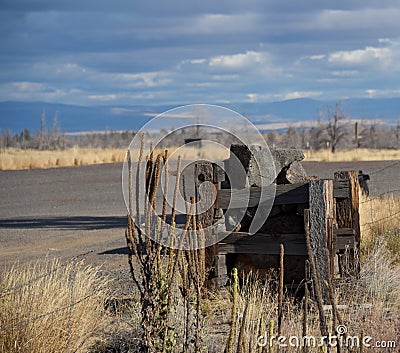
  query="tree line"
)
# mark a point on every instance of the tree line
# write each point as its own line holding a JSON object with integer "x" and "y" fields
{"x": 51, "y": 138}
{"x": 332, "y": 130}
{"x": 335, "y": 130}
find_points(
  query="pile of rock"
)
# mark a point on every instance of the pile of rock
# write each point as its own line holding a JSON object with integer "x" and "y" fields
{"x": 263, "y": 167}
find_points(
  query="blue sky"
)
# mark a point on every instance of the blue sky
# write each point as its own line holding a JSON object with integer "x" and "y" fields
{"x": 176, "y": 52}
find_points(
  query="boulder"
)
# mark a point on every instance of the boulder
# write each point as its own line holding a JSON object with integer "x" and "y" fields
{"x": 262, "y": 166}
{"x": 293, "y": 174}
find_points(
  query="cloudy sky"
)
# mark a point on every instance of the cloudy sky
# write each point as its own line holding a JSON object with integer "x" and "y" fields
{"x": 93, "y": 52}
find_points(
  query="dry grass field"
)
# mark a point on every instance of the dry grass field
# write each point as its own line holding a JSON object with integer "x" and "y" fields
{"x": 15, "y": 159}
{"x": 361, "y": 154}
{"x": 380, "y": 224}
{"x": 49, "y": 305}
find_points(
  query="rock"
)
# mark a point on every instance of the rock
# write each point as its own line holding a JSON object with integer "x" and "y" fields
{"x": 293, "y": 174}
{"x": 284, "y": 157}
{"x": 257, "y": 163}
{"x": 262, "y": 166}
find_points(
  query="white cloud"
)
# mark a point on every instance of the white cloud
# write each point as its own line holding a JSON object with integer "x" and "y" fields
{"x": 301, "y": 94}
{"x": 225, "y": 77}
{"x": 364, "y": 18}
{"x": 344, "y": 73}
{"x": 140, "y": 80}
{"x": 198, "y": 61}
{"x": 317, "y": 57}
{"x": 102, "y": 97}
{"x": 24, "y": 90}
{"x": 382, "y": 93}
{"x": 224, "y": 23}
{"x": 251, "y": 60}
{"x": 257, "y": 97}
{"x": 362, "y": 56}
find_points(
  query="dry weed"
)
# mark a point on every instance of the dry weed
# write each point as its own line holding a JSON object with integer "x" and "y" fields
{"x": 51, "y": 306}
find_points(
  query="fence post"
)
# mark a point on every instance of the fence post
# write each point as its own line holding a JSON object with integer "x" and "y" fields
{"x": 347, "y": 212}
{"x": 204, "y": 172}
{"x": 321, "y": 229}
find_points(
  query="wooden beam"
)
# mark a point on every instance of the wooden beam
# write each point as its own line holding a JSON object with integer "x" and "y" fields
{"x": 218, "y": 173}
{"x": 347, "y": 211}
{"x": 285, "y": 194}
{"x": 343, "y": 231}
{"x": 260, "y": 243}
{"x": 341, "y": 188}
{"x": 204, "y": 172}
{"x": 344, "y": 242}
{"x": 321, "y": 230}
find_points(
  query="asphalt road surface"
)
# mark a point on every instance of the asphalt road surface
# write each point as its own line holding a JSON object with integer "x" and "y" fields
{"x": 64, "y": 212}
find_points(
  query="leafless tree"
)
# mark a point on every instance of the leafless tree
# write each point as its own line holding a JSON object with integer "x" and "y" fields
{"x": 336, "y": 128}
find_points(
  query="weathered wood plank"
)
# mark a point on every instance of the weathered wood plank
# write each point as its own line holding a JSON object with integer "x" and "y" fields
{"x": 343, "y": 231}
{"x": 341, "y": 188}
{"x": 344, "y": 242}
{"x": 204, "y": 172}
{"x": 221, "y": 269}
{"x": 321, "y": 231}
{"x": 218, "y": 174}
{"x": 285, "y": 194}
{"x": 347, "y": 210}
{"x": 261, "y": 243}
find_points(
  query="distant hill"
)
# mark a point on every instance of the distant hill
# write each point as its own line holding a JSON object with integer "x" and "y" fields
{"x": 17, "y": 116}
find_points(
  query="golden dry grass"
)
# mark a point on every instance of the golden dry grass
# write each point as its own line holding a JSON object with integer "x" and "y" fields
{"x": 380, "y": 223}
{"x": 361, "y": 154}
{"x": 257, "y": 307}
{"x": 37, "y": 317}
{"x": 17, "y": 159}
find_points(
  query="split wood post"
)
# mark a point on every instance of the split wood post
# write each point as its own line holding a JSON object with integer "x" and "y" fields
{"x": 220, "y": 260}
{"x": 204, "y": 172}
{"x": 347, "y": 213}
{"x": 321, "y": 227}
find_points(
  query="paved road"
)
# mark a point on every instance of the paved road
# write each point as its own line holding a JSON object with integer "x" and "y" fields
{"x": 61, "y": 212}
{"x": 67, "y": 211}
{"x": 385, "y": 175}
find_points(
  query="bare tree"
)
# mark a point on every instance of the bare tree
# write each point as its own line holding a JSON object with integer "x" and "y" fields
{"x": 291, "y": 138}
{"x": 317, "y": 135}
{"x": 336, "y": 128}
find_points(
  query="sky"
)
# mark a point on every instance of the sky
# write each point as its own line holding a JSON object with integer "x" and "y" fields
{"x": 98, "y": 52}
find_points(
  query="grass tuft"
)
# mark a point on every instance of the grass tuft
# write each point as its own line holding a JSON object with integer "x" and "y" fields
{"x": 36, "y": 313}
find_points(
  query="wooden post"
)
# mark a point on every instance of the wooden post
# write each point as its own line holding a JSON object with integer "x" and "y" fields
{"x": 321, "y": 230}
{"x": 204, "y": 172}
{"x": 220, "y": 264}
{"x": 347, "y": 212}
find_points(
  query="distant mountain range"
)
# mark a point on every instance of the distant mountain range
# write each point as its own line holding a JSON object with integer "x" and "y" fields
{"x": 17, "y": 116}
